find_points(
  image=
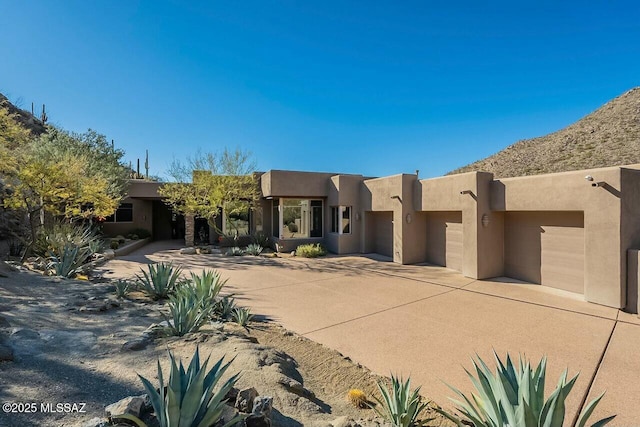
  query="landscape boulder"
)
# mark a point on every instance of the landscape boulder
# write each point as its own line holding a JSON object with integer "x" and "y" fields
{"x": 245, "y": 399}
{"x": 261, "y": 413}
{"x": 132, "y": 405}
{"x": 188, "y": 251}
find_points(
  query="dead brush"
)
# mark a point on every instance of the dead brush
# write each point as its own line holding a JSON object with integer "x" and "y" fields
{"x": 358, "y": 398}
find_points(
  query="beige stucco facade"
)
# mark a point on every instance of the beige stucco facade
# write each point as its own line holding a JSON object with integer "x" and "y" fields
{"x": 576, "y": 231}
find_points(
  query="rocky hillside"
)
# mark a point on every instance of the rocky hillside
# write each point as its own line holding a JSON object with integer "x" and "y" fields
{"x": 609, "y": 136}
{"x": 24, "y": 117}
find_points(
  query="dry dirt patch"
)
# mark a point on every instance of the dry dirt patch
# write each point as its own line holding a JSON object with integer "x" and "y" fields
{"x": 67, "y": 340}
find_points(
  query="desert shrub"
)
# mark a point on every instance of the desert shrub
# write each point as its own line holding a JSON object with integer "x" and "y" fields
{"x": 242, "y": 316}
{"x": 223, "y": 307}
{"x": 357, "y": 398}
{"x": 260, "y": 239}
{"x": 160, "y": 280}
{"x": 190, "y": 395}
{"x": 133, "y": 237}
{"x": 114, "y": 244}
{"x": 515, "y": 396}
{"x": 70, "y": 262}
{"x": 52, "y": 240}
{"x": 16, "y": 247}
{"x": 310, "y": 250}
{"x": 235, "y": 251}
{"x": 400, "y": 405}
{"x": 123, "y": 287}
{"x": 142, "y": 233}
{"x": 187, "y": 313}
{"x": 293, "y": 227}
{"x": 254, "y": 249}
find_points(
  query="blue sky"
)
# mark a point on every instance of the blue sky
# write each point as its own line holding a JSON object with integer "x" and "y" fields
{"x": 376, "y": 88}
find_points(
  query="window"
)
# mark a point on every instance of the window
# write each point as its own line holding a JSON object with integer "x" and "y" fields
{"x": 258, "y": 219}
{"x": 124, "y": 213}
{"x": 341, "y": 219}
{"x": 275, "y": 218}
{"x": 297, "y": 218}
{"x": 236, "y": 222}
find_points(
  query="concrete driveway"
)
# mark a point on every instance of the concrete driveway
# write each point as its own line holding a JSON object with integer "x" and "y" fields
{"x": 428, "y": 322}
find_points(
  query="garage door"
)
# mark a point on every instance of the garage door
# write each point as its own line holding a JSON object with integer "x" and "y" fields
{"x": 379, "y": 233}
{"x": 546, "y": 248}
{"x": 444, "y": 239}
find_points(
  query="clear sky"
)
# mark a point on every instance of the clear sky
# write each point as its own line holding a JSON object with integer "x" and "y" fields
{"x": 369, "y": 87}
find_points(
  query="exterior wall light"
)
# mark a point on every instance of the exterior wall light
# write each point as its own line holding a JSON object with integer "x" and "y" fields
{"x": 485, "y": 220}
{"x": 409, "y": 218}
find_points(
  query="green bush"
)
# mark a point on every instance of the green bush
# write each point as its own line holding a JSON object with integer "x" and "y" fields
{"x": 293, "y": 227}
{"x": 515, "y": 397}
{"x": 310, "y": 250}
{"x": 142, "y": 233}
{"x": 189, "y": 398}
{"x": 114, "y": 244}
{"x": 160, "y": 280}
{"x": 400, "y": 405}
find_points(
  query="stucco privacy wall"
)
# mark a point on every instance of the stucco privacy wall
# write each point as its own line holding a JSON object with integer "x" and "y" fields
{"x": 604, "y": 261}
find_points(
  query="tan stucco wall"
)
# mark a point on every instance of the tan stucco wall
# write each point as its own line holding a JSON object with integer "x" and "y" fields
{"x": 384, "y": 195}
{"x": 142, "y": 218}
{"x": 143, "y": 189}
{"x": 605, "y": 268}
{"x": 633, "y": 281}
{"x": 444, "y": 194}
{"x": 276, "y": 183}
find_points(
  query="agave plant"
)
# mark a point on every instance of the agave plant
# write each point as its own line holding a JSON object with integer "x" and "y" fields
{"x": 207, "y": 286}
{"x": 401, "y": 406}
{"x": 242, "y": 316}
{"x": 189, "y": 399}
{"x": 160, "y": 281}
{"x": 52, "y": 240}
{"x": 69, "y": 262}
{"x": 515, "y": 397}
{"x": 187, "y": 313}
{"x": 235, "y": 251}
{"x": 223, "y": 307}
{"x": 123, "y": 287}
{"x": 254, "y": 249}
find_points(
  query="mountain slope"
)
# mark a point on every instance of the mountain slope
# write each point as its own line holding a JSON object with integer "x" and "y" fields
{"x": 609, "y": 136}
{"x": 25, "y": 118}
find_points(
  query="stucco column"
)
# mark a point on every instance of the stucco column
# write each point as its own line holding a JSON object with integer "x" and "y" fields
{"x": 189, "y": 230}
